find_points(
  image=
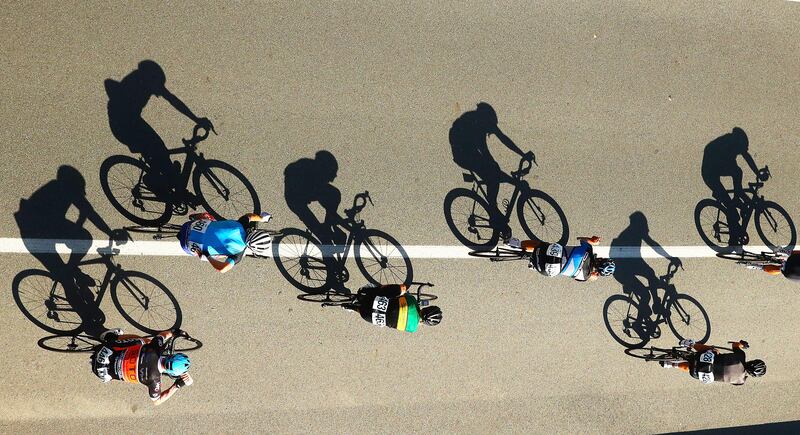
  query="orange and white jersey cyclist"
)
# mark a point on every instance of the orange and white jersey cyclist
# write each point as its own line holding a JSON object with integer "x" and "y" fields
{"x": 790, "y": 268}
{"x": 577, "y": 262}
{"x": 141, "y": 360}
{"x": 707, "y": 364}
{"x": 223, "y": 243}
{"x": 391, "y": 306}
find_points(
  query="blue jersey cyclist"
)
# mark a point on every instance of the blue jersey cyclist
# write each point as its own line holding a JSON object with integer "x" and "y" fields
{"x": 224, "y": 243}
{"x": 577, "y": 262}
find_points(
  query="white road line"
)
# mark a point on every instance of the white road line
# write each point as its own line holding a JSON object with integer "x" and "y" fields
{"x": 171, "y": 248}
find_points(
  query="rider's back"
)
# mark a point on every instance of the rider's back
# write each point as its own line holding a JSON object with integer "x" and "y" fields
{"x": 728, "y": 367}
{"x": 468, "y": 137}
{"x": 386, "y": 306}
{"x": 719, "y": 156}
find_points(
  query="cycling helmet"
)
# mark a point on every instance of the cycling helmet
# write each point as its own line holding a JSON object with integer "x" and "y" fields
{"x": 152, "y": 73}
{"x": 756, "y": 367}
{"x": 548, "y": 259}
{"x": 176, "y": 365}
{"x": 432, "y": 315}
{"x": 69, "y": 176}
{"x": 488, "y": 113}
{"x": 259, "y": 241}
{"x": 606, "y": 267}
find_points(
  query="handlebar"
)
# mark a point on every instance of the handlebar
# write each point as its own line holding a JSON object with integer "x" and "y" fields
{"x": 359, "y": 202}
{"x": 199, "y": 134}
{"x": 525, "y": 165}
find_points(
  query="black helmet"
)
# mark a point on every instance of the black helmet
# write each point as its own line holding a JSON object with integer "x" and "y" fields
{"x": 152, "y": 72}
{"x": 432, "y": 315}
{"x": 487, "y": 112}
{"x": 326, "y": 164}
{"x": 756, "y": 368}
{"x": 70, "y": 176}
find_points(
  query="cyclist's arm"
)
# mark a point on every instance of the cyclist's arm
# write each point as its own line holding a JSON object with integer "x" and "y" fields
{"x": 505, "y": 140}
{"x": 593, "y": 276}
{"x": 700, "y": 347}
{"x": 750, "y": 162}
{"x": 594, "y": 240}
{"x": 179, "y": 105}
{"x": 164, "y": 396}
{"x": 388, "y": 290}
{"x": 222, "y": 266}
{"x": 660, "y": 250}
{"x": 86, "y": 209}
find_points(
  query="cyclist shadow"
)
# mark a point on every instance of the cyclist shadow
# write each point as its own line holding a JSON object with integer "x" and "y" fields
{"x": 635, "y": 317}
{"x": 722, "y": 220}
{"x": 314, "y": 260}
{"x": 150, "y": 190}
{"x": 60, "y": 298}
{"x": 474, "y": 216}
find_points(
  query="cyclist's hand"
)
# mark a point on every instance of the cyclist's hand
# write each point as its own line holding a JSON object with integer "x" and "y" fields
{"x": 187, "y": 379}
{"x": 120, "y": 236}
{"x": 528, "y": 156}
{"x": 763, "y": 175}
{"x": 677, "y": 262}
{"x": 745, "y": 345}
{"x": 206, "y": 124}
{"x": 594, "y": 240}
{"x": 178, "y": 332}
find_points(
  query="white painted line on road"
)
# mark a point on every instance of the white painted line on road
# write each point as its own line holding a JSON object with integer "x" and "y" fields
{"x": 171, "y": 248}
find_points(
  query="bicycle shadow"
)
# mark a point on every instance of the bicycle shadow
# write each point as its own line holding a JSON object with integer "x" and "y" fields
{"x": 473, "y": 215}
{"x": 150, "y": 190}
{"x": 59, "y": 299}
{"x": 722, "y": 220}
{"x": 313, "y": 260}
{"x": 635, "y": 317}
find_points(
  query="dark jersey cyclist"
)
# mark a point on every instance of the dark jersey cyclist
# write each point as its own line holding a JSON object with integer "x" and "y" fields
{"x": 576, "y": 262}
{"x": 790, "y": 267}
{"x": 391, "y": 306}
{"x": 141, "y": 360}
{"x": 707, "y": 364}
{"x": 224, "y": 243}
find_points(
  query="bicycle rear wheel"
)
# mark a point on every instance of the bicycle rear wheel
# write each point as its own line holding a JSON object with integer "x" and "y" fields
{"x": 688, "y": 319}
{"x": 381, "y": 259}
{"x": 622, "y": 318}
{"x": 44, "y": 301}
{"x": 775, "y": 226}
{"x": 69, "y": 343}
{"x": 656, "y": 354}
{"x": 542, "y": 218}
{"x": 224, "y": 191}
{"x": 145, "y": 302}
{"x": 299, "y": 259}
{"x": 467, "y": 215}
{"x": 712, "y": 224}
{"x": 120, "y": 177}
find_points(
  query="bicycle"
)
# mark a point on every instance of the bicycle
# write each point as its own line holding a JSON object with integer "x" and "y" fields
{"x": 503, "y": 254}
{"x": 84, "y": 344}
{"x": 772, "y": 222}
{"x": 219, "y": 187}
{"x": 314, "y": 268}
{"x": 675, "y": 354}
{"x": 682, "y": 313}
{"x": 332, "y": 298}
{"x": 755, "y": 261}
{"x": 467, "y": 211}
{"x": 140, "y": 298}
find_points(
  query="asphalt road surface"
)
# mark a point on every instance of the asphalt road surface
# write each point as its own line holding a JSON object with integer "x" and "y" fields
{"x": 618, "y": 100}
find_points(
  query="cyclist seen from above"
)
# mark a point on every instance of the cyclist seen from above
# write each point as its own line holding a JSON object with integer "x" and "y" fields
{"x": 577, "y": 262}
{"x": 707, "y": 364}
{"x": 470, "y": 151}
{"x": 141, "y": 360}
{"x": 223, "y": 243}
{"x": 789, "y": 267}
{"x": 390, "y": 305}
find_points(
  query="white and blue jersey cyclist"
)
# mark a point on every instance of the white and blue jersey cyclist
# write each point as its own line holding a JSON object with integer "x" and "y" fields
{"x": 577, "y": 262}
{"x": 224, "y": 243}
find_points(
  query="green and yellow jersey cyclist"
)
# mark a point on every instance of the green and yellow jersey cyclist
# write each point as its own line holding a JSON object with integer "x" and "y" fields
{"x": 707, "y": 364}
{"x": 141, "y": 360}
{"x": 223, "y": 243}
{"x": 576, "y": 262}
{"x": 790, "y": 266}
{"x": 391, "y": 306}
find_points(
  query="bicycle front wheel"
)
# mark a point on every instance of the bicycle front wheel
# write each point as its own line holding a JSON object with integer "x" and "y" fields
{"x": 299, "y": 259}
{"x": 467, "y": 215}
{"x": 145, "y": 302}
{"x": 688, "y": 319}
{"x": 330, "y": 297}
{"x": 712, "y": 224}
{"x": 224, "y": 191}
{"x": 775, "y": 226}
{"x": 382, "y": 259}
{"x": 164, "y": 230}
{"x": 120, "y": 177}
{"x": 499, "y": 254}
{"x": 44, "y": 301}
{"x": 622, "y": 318}
{"x": 69, "y": 343}
{"x": 542, "y": 218}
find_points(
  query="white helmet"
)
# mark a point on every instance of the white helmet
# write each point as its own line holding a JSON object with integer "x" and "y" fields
{"x": 259, "y": 241}
{"x": 548, "y": 259}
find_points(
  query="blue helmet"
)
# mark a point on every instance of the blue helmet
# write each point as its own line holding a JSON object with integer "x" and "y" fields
{"x": 176, "y": 365}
